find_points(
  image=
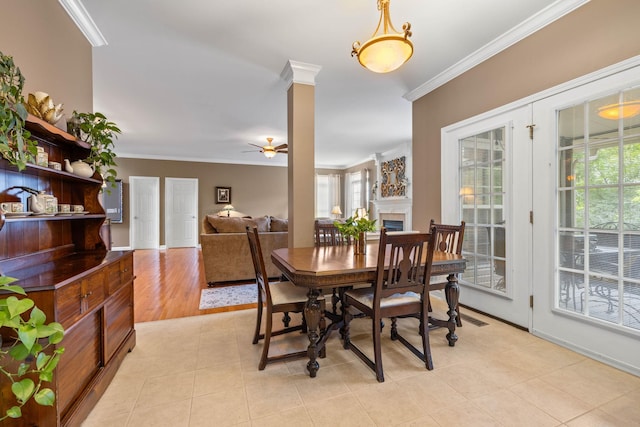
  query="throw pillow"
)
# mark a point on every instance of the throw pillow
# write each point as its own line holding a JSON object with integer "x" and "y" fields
{"x": 279, "y": 224}
{"x": 262, "y": 223}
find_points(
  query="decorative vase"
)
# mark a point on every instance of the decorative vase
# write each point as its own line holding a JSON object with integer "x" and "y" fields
{"x": 360, "y": 244}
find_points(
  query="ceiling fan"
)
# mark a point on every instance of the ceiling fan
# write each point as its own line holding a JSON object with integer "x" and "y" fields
{"x": 269, "y": 150}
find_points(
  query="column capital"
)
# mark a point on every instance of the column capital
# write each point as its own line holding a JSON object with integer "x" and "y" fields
{"x": 300, "y": 72}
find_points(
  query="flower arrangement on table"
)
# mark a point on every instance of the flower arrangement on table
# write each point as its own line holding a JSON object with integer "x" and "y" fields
{"x": 355, "y": 227}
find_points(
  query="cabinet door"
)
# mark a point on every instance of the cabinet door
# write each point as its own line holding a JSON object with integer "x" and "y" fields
{"x": 118, "y": 318}
{"x": 80, "y": 361}
{"x": 76, "y": 299}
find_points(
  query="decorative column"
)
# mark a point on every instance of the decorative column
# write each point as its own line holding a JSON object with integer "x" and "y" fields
{"x": 300, "y": 78}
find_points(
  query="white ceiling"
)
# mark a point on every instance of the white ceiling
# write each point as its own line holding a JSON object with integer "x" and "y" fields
{"x": 200, "y": 79}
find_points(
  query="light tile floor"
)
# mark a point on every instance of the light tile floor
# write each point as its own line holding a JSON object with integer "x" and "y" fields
{"x": 202, "y": 371}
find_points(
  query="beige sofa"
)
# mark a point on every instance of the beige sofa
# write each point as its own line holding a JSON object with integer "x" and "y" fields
{"x": 225, "y": 249}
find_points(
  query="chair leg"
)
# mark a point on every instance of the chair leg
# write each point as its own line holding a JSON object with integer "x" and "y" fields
{"x": 426, "y": 347}
{"x": 394, "y": 329}
{"x": 345, "y": 329}
{"x": 267, "y": 341}
{"x": 377, "y": 350}
{"x": 334, "y": 301}
{"x": 458, "y": 320}
{"x": 256, "y": 336}
{"x": 286, "y": 319}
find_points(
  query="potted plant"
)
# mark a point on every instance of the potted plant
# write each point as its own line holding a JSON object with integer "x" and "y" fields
{"x": 356, "y": 227}
{"x": 100, "y": 133}
{"x": 15, "y": 143}
{"x": 30, "y": 338}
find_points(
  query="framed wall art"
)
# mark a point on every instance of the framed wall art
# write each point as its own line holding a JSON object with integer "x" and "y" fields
{"x": 223, "y": 195}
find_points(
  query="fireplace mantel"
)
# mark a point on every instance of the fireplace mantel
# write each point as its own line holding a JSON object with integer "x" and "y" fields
{"x": 393, "y": 208}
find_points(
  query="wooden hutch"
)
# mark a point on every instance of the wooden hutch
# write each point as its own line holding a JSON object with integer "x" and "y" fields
{"x": 64, "y": 266}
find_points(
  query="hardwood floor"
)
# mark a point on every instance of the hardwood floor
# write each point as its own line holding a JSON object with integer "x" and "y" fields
{"x": 168, "y": 284}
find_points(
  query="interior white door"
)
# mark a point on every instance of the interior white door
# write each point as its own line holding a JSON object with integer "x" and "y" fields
{"x": 181, "y": 208}
{"x": 587, "y": 225}
{"x": 488, "y": 185}
{"x": 144, "y": 197}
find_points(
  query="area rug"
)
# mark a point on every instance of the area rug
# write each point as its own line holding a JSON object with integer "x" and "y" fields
{"x": 228, "y": 296}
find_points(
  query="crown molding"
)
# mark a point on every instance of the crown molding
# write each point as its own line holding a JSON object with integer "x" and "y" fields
{"x": 76, "y": 10}
{"x": 529, "y": 26}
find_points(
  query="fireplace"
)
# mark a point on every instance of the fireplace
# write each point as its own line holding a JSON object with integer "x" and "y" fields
{"x": 393, "y": 224}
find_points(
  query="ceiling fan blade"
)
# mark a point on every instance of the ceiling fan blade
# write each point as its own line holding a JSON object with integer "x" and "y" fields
{"x": 255, "y": 145}
{"x": 251, "y": 151}
{"x": 281, "y": 146}
{"x": 282, "y": 151}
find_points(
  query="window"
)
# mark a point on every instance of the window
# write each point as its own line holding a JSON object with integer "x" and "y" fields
{"x": 481, "y": 166}
{"x": 354, "y": 193}
{"x": 598, "y": 257}
{"x": 327, "y": 194}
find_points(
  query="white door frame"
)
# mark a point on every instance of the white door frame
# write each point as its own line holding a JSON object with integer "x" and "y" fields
{"x": 185, "y": 218}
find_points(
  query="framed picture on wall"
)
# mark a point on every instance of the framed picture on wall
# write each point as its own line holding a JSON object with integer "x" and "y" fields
{"x": 223, "y": 194}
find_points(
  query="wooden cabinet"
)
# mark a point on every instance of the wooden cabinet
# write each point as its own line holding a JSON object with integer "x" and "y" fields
{"x": 64, "y": 265}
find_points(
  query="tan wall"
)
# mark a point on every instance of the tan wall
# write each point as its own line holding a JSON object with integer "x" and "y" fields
{"x": 52, "y": 53}
{"x": 255, "y": 190}
{"x": 600, "y": 33}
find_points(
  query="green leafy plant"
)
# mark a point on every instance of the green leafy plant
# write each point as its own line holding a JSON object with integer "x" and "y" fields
{"x": 354, "y": 225}
{"x": 29, "y": 343}
{"x": 100, "y": 133}
{"x": 15, "y": 143}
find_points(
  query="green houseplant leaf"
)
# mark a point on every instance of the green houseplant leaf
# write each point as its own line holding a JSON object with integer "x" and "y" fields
{"x": 31, "y": 342}
{"x": 100, "y": 133}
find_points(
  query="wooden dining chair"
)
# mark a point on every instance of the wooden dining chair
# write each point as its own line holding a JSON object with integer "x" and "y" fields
{"x": 448, "y": 239}
{"x": 399, "y": 292}
{"x": 327, "y": 234}
{"x": 276, "y": 297}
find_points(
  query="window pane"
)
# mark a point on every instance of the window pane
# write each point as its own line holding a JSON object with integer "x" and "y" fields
{"x": 631, "y": 312}
{"x": 571, "y": 208}
{"x": 571, "y": 125}
{"x": 631, "y": 167}
{"x": 603, "y": 206}
{"x": 603, "y": 164}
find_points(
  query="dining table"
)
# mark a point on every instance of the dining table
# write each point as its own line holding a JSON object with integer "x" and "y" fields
{"x": 320, "y": 268}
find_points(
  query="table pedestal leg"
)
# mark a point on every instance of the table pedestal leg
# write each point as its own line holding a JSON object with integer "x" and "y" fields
{"x": 312, "y": 315}
{"x": 451, "y": 292}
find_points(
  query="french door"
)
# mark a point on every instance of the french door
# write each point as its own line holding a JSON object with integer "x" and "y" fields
{"x": 586, "y": 196}
{"x": 488, "y": 185}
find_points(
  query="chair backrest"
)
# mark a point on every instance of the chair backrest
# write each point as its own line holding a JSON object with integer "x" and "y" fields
{"x": 448, "y": 237}
{"x": 327, "y": 234}
{"x": 262, "y": 279}
{"x": 404, "y": 255}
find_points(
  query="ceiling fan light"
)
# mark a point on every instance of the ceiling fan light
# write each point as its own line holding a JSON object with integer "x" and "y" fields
{"x": 624, "y": 110}
{"x": 269, "y": 154}
{"x": 385, "y": 51}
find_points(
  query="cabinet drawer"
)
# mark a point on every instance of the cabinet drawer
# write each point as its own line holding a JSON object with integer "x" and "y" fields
{"x": 119, "y": 274}
{"x": 77, "y": 298}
